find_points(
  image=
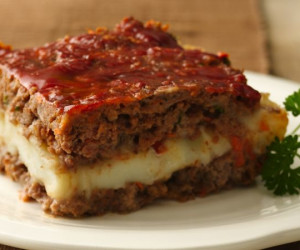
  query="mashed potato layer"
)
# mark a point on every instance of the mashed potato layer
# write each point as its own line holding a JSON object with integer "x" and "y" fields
{"x": 146, "y": 167}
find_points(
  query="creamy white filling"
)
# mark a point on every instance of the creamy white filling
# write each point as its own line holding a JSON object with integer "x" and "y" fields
{"x": 146, "y": 167}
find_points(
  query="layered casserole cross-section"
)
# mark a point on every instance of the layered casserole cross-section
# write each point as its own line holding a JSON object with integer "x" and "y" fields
{"x": 111, "y": 120}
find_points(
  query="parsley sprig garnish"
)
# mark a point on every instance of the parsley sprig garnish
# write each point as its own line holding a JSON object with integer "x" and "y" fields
{"x": 277, "y": 172}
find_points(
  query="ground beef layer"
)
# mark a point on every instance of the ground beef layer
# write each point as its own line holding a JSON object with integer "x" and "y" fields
{"x": 136, "y": 126}
{"x": 183, "y": 185}
{"x": 91, "y": 96}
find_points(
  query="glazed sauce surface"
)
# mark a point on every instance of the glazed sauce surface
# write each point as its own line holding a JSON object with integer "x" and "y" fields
{"x": 129, "y": 63}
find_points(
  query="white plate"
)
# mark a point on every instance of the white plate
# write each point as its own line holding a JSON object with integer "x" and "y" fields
{"x": 241, "y": 218}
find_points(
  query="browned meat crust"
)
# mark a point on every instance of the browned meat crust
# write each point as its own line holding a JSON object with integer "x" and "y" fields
{"x": 136, "y": 126}
{"x": 183, "y": 185}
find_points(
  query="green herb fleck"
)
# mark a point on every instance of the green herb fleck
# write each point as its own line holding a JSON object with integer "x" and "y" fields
{"x": 219, "y": 110}
{"x": 179, "y": 119}
{"x": 5, "y": 100}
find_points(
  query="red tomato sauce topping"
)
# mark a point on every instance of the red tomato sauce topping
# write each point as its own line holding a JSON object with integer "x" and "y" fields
{"x": 123, "y": 65}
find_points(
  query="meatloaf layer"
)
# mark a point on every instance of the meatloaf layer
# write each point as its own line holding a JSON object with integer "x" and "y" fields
{"x": 136, "y": 126}
{"x": 90, "y": 96}
{"x": 111, "y": 120}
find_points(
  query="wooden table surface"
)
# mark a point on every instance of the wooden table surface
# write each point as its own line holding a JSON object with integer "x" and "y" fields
{"x": 249, "y": 30}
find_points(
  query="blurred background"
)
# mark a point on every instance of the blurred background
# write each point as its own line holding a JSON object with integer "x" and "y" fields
{"x": 259, "y": 35}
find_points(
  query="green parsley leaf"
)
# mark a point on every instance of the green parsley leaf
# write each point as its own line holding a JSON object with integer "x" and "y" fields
{"x": 276, "y": 172}
{"x": 292, "y": 103}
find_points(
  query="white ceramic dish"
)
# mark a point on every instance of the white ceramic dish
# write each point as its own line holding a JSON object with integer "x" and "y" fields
{"x": 236, "y": 219}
